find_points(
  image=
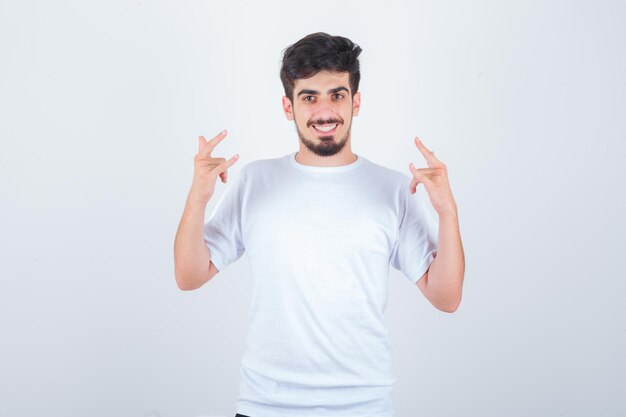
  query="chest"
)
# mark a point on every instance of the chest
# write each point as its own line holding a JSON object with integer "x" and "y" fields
{"x": 320, "y": 217}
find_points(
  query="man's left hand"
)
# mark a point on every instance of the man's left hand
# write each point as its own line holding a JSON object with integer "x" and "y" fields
{"x": 435, "y": 179}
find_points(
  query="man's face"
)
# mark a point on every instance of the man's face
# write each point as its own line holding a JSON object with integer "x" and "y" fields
{"x": 322, "y": 110}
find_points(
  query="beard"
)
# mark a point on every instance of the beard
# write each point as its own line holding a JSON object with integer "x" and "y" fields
{"x": 324, "y": 145}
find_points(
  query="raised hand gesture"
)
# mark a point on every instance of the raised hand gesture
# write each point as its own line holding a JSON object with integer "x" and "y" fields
{"x": 207, "y": 168}
{"x": 435, "y": 179}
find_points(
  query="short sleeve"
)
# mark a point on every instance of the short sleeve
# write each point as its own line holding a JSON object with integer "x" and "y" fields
{"x": 222, "y": 232}
{"x": 416, "y": 245}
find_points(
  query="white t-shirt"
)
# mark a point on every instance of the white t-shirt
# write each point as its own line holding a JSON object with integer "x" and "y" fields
{"x": 319, "y": 242}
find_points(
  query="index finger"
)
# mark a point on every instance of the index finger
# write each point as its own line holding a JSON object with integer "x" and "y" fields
{"x": 428, "y": 155}
{"x": 210, "y": 145}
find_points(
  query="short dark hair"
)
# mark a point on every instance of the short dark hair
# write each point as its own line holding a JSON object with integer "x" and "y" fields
{"x": 320, "y": 52}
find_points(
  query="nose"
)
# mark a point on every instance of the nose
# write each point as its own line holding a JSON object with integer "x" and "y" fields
{"x": 325, "y": 110}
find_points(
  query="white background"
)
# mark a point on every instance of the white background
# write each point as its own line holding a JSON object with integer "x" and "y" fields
{"x": 101, "y": 104}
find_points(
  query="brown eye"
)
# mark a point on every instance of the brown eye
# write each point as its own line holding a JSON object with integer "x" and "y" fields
{"x": 338, "y": 96}
{"x": 309, "y": 98}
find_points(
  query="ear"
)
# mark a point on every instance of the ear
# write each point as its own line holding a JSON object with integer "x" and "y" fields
{"x": 356, "y": 103}
{"x": 287, "y": 108}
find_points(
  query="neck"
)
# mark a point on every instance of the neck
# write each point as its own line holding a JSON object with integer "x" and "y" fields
{"x": 343, "y": 157}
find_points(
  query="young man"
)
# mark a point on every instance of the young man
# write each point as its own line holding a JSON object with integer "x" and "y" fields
{"x": 321, "y": 226}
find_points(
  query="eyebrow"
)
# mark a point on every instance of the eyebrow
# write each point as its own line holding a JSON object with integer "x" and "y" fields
{"x": 331, "y": 91}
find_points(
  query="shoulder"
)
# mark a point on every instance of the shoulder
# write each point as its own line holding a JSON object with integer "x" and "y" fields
{"x": 388, "y": 177}
{"x": 261, "y": 166}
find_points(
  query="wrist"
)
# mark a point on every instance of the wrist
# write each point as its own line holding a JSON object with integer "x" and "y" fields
{"x": 451, "y": 214}
{"x": 196, "y": 202}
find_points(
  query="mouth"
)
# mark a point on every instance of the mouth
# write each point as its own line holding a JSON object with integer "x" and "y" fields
{"x": 325, "y": 128}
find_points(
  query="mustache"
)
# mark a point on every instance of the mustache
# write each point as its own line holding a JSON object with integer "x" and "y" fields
{"x": 324, "y": 122}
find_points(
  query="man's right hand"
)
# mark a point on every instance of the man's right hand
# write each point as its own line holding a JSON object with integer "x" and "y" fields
{"x": 207, "y": 168}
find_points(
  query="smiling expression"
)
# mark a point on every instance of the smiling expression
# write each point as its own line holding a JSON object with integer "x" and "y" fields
{"x": 322, "y": 111}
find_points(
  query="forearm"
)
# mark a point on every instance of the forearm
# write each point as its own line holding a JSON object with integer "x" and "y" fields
{"x": 191, "y": 255}
{"x": 445, "y": 276}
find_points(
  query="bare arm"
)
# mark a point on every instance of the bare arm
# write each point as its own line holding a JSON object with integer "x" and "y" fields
{"x": 442, "y": 284}
{"x": 192, "y": 262}
{"x": 193, "y": 266}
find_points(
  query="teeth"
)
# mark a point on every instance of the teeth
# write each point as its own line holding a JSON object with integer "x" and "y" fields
{"x": 325, "y": 128}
